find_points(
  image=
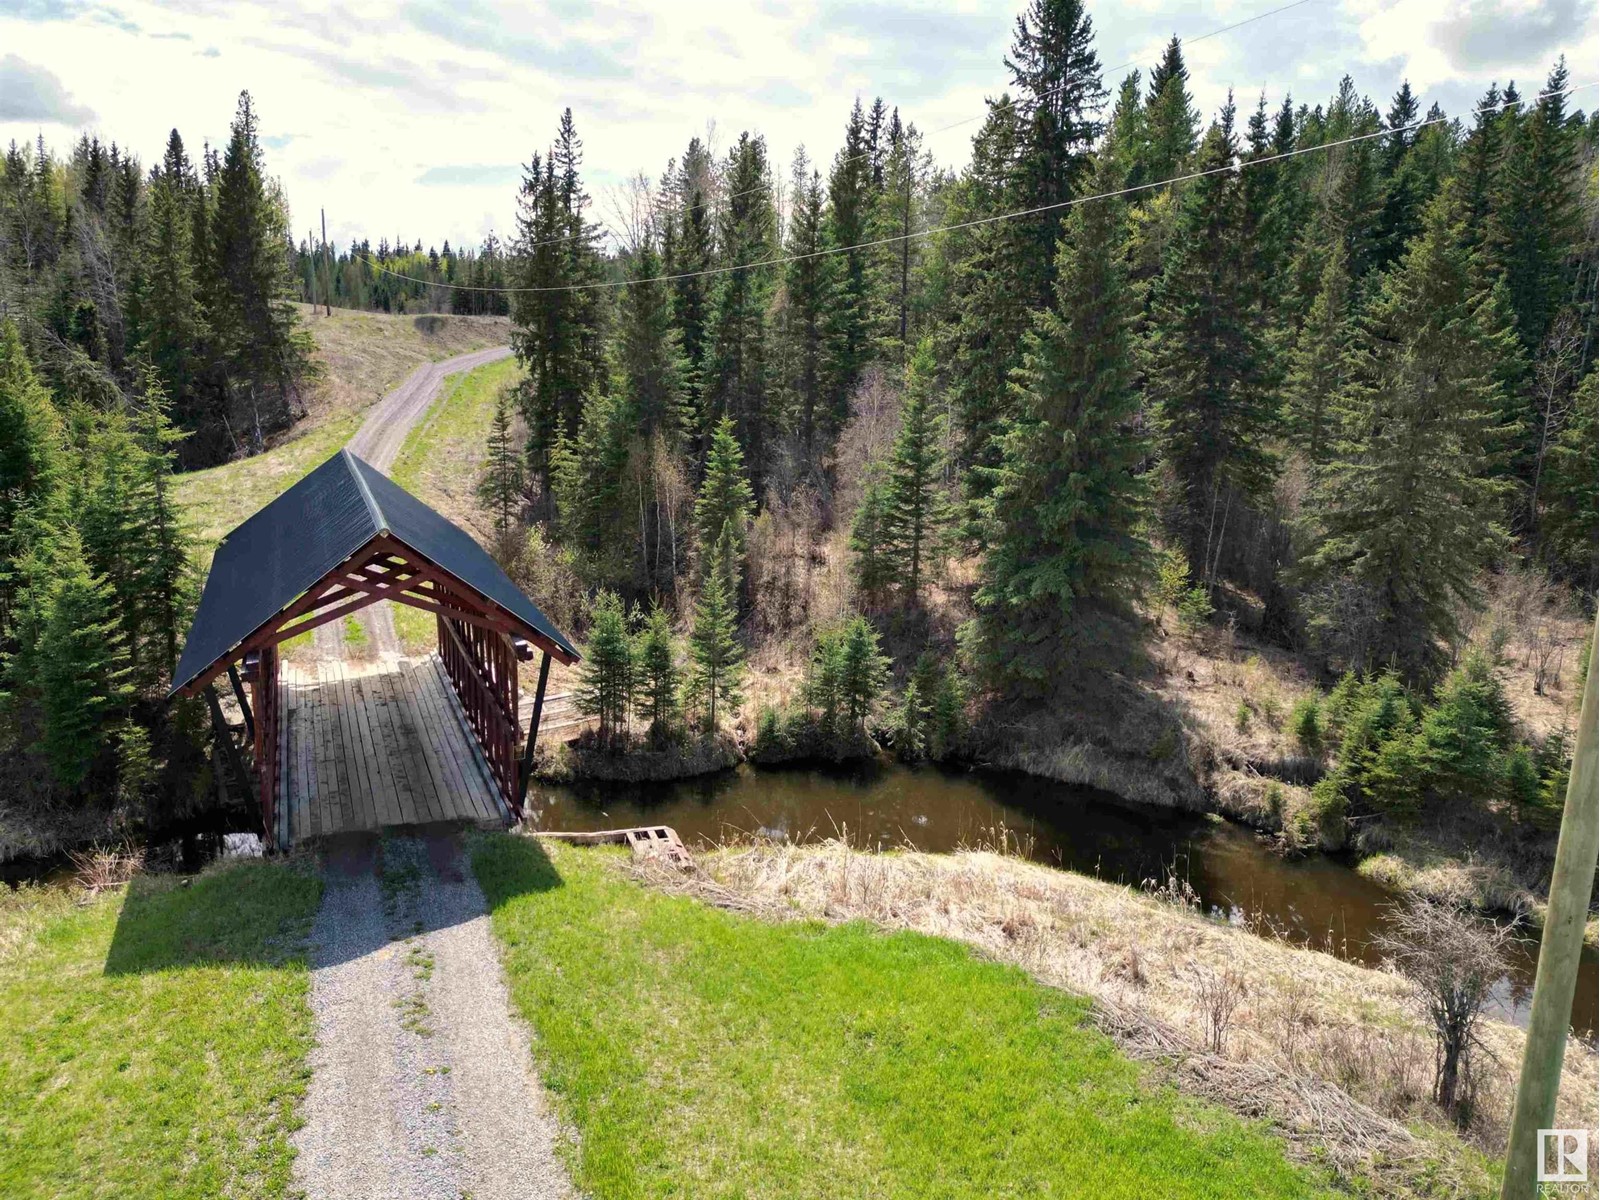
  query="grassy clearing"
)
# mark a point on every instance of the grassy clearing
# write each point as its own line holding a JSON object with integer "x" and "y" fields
{"x": 361, "y": 356}
{"x": 1302, "y": 1022}
{"x": 155, "y": 1036}
{"x": 701, "y": 1053}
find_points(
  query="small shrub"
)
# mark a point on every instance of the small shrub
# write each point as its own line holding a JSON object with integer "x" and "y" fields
{"x": 1275, "y": 801}
{"x": 1195, "y": 609}
{"x": 1305, "y": 723}
{"x": 1241, "y": 716}
{"x": 1272, "y": 711}
{"x": 1164, "y": 747}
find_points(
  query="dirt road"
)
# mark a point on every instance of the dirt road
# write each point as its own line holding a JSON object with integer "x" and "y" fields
{"x": 378, "y": 442}
{"x": 422, "y": 1084}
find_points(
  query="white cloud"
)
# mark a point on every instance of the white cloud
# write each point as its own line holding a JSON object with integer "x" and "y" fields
{"x": 412, "y": 121}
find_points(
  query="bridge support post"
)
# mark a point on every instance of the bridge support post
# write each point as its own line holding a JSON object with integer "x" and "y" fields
{"x": 526, "y": 769}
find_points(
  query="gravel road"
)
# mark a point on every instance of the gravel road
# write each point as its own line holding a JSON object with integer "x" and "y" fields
{"x": 378, "y": 442}
{"x": 422, "y": 1084}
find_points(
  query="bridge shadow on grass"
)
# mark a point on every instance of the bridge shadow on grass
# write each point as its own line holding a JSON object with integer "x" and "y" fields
{"x": 361, "y": 894}
{"x": 508, "y": 866}
{"x": 248, "y": 913}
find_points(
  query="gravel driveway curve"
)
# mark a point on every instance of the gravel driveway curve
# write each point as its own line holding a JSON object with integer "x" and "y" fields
{"x": 422, "y": 1084}
{"x": 378, "y": 442}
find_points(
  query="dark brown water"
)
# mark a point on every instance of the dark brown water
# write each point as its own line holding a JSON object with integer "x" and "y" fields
{"x": 1235, "y": 875}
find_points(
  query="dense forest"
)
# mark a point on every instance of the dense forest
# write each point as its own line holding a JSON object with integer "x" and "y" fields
{"x": 1315, "y": 369}
{"x": 401, "y": 278}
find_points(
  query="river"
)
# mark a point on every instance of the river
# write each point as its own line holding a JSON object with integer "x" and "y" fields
{"x": 1236, "y": 875}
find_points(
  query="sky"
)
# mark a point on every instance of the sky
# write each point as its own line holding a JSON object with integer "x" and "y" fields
{"x": 411, "y": 120}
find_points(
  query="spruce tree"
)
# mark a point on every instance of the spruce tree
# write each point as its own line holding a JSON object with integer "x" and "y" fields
{"x": 1407, "y": 514}
{"x": 914, "y": 500}
{"x": 605, "y": 690}
{"x": 1056, "y": 73}
{"x": 1205, "y": 362}
{"x": 166, "y": 571}
{"x": 249, "y": 286}
{"x": 983, "y": 342}
{"x": 713, "y": 643}
{"x": 1316, "y": 377}
{"x": 1533, "y": 224}
{"x": 1170, "y": 119}
{"x": 851, "y": 282}
{"x": 726, "y": 501}
{"x": 692, "y": 253}
{"x": 1060, "y": 535}
{"x": 871, "y": 564}
{"x": 863, "y": 671}
{"x": 1570, "y": 513}
{"x": 32, "y": 440}
{"x": 658, "y": 675}
{"x": 735, "y": 379}
{"x": 650, "y": 354}
{"x": 171, "y": 322}
{"x": 500, "y": 485}
{"x": 558, "y": 335}
{"x": 806, "y": 288}
{"x": 82, "y": 668}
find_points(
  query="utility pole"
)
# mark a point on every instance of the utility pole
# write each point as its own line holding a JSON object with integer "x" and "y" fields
{"x": 327, "y": 268}
{"x": 1577, "y": 854}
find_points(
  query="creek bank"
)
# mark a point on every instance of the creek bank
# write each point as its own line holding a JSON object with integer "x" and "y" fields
{"x": 586, "y": 759}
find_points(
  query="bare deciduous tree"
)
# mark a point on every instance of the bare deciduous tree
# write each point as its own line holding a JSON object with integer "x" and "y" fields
{"x": 1453, "y": 960}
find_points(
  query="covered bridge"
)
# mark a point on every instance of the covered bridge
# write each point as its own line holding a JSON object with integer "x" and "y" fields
{"x": 341, "y": 539}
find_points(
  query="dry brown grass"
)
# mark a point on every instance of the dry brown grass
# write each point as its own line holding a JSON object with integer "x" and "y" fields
{"x": 1335, "y": 1055}
{"x": 361, "y": 355}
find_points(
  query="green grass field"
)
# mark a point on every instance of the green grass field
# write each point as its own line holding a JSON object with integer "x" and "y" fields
{"x": 155, "y": 1036}
{"x": 698, "y": 1053}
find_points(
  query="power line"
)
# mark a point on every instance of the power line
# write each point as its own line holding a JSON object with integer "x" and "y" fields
{"x": 780, "y": 260}
{"x": 1061, "y": 87}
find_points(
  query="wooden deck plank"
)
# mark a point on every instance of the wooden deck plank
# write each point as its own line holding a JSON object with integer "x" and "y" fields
{"x": 389, "y": 747}
{"x": 357, "y": 795}
{"x": 408, "y": 751}
{"x": 384, "y": 807}
{"x": 421, "y": 751}
{"x": 444, "y": 741}
{"x": 435, "y": 750}
{"x": 431, "y": 678}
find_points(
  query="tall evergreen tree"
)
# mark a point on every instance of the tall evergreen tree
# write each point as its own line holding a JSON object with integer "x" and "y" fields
{"x": 1316, "y": 377}
{"x": 607, "y": 680}
{"x": 1204, "y": 362}
{"x": 871, "y": 565}
{"x": 650, "y": 353}
{"x": 735, "y": 384}
{"x": 171, "y": 322}
{"x": 689, "y": 255}
{"x": 983, "y": 341}
{"x": 32, "y": 439}
{"x": 1407, "y": 514}
{"x": 726, "y": 501}
{"x": 806, "y": 288}
{"x": 1173, "y": 125}
{"x": 713, "y": 644}
{"x": 851, "y": 283}
{"x": 915, "y": 504}
{"x": 658, "y": 675}
{"x": 82, "y": 667}
{"x": 558, "y": 335}
{"x": 249, "y": 288}
{"x": 1061, "y": 541}
{"x": 500, "y": 486}
{"x": 1056, "y": 72}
